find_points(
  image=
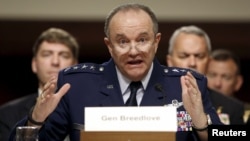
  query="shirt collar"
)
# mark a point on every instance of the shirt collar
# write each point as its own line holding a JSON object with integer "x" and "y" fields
{"x": 124, "y": 82}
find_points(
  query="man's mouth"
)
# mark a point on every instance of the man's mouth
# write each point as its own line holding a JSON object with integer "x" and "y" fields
{"x": 135, "y": 62}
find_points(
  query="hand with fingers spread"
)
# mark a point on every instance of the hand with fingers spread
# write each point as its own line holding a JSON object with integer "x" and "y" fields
{"x": 48, "y": 100}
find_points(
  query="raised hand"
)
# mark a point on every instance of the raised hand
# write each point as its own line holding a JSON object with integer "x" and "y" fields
{"x": 192, "y": 100}
{"x": 48, "y": 100}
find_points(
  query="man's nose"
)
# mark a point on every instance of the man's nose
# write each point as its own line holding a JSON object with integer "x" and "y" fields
{"x": 55, "y": 60}
{"x": 218, "y": 82}
{"x": 192, "y": 61}
{"x": 133, "y": 47}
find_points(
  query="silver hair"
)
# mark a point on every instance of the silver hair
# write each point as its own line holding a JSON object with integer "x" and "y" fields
{"x": 191, "y": 29}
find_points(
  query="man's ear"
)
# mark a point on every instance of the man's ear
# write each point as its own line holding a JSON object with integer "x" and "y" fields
{"x": 208, "y": 62}
{"x": 238, "y": 83}
{"x": 168, "y": 60}
{"x": 33, "y": 65}
{"x": 108, "y": 44}
{"x": 157, "y": 41}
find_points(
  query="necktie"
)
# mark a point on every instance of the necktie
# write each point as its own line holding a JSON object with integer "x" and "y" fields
{"x": 134, "y": 86}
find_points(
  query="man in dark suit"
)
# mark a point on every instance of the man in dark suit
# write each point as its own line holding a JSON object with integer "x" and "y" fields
{"x": 132, "y": 39}
{"x": 54, "y": 50}
{"x": 224, "y": 75}
{"x": 190, "y": 47}
{"x": 12, "y": 112}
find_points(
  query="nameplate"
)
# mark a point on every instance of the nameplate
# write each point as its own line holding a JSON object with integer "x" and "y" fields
{"x": 152, "y": 118}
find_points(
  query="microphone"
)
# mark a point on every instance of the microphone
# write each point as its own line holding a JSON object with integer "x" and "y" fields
{"x": 159, "y": 88}
{"x": 78, "y": 126}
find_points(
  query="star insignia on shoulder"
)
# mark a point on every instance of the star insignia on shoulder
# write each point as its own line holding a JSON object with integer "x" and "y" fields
{"x": 75, "y": 67}
{"x": 84, "y": 66}
{"x": 182, "y": 70}
{"x": 92, "y": 67}
{"x": 66, "y": 69}
{"x": 175, "y": 70}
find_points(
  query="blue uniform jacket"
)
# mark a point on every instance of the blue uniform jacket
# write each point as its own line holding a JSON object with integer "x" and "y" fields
{"x": 97, "y": 85}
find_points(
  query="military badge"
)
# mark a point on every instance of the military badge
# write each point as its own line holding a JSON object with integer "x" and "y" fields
{"x": 184, "y": 121}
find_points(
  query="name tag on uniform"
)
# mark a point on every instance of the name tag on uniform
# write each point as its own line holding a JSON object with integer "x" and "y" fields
{"x": 149, "y": 118}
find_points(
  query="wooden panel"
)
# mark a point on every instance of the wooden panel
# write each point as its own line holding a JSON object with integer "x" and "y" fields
{"x": 127, "y": 136}
{"x": 18, "y": 37}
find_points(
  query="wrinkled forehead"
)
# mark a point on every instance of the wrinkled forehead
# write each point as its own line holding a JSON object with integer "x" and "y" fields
{"x": 190, "y": 43}
{"x": 131, "y": 22}
{"x": 129, "y": 17}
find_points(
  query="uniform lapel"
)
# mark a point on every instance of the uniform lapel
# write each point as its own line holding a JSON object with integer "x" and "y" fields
{"x": 152, "y": 96}
{"x": 110, "y": 87}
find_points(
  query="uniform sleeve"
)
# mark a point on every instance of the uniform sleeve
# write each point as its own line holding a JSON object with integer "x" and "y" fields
{"x": 208, "y": 107}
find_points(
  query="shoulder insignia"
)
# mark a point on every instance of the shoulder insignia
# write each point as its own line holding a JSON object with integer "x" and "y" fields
{"x": 175, "y": 71}
{"x": 84, "y": 67}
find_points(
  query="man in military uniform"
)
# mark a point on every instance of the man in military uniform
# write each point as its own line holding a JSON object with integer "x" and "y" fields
{"x": 190, "y": 47}
{"x": 132, "y": 39}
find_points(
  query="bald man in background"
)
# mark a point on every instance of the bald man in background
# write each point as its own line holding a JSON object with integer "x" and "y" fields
{"x": 190, "y": 47}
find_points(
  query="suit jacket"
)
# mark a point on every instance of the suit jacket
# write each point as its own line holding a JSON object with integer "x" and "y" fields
{"x": 12, "y": 112}
{"x": 228, "y": 105}
{"x": 97, "y": 85}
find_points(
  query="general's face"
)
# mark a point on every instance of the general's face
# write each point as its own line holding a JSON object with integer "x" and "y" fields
{"x": 189, "y": 51}
{"x": 132, "y": 43}
{"x": 50, "y": 59}
{"x": 222, "y": 76}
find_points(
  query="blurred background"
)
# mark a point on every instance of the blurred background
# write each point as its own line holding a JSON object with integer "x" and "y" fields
{"x": 227, "y": 22}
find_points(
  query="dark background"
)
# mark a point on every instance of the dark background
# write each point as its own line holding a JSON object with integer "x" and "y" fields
{"x": 17, "y": 38}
